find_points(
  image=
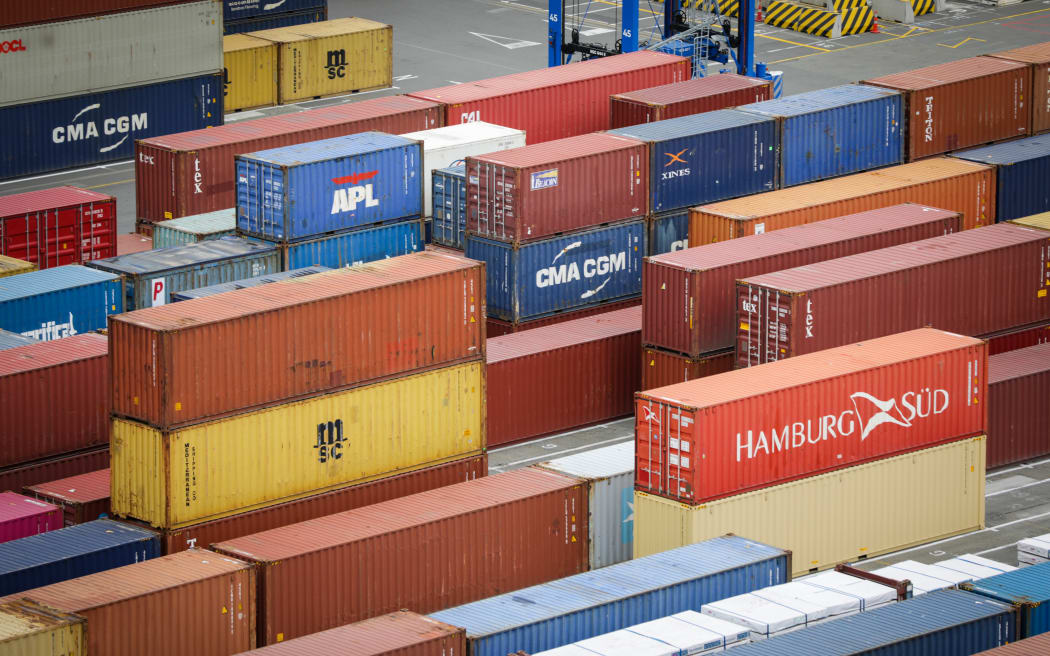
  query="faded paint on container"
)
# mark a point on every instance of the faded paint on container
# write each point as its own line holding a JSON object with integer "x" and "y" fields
{"x": 273, "y": 21}
{"x": 247, "y": 282}
{"x": 870, "y": 517}
{"x": 60, "y": 302}
{"x": 1016, "y": 338}
{"x": 1034, "y": 646}
{"x": 496, "y": 328}
{"x": 661, "y": 368}
{"x": 701, "y": 94}
{"x": 1018, "y": 417}
{"x": 11, "y": 266}
{"x": 82, "y": 498}
{"x": 21, "y": 516}
{"x": 1027, "y": 590}
{"x": 52, "y": 227}
{"x": 353, "y": 247}
{"x": 30, "y": 629}
{"x": 192, "y": 229}
{"x": 449, "y": 205}
{"x": 19, "y": 476}
{"x": 9, "y": 340}
{"x": 1022, "y": 167}
{"x": 668, "y": 232}
{"x": 453, "y": 545}
{"x": 249, "y": 72}
{"x": 1037, "y": 56}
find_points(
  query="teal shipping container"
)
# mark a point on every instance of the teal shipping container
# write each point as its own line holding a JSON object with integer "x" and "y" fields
{"x": 192, "y": 229}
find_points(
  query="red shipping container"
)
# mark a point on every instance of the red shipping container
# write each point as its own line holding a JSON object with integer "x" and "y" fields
{"x": 46, "y": 11}
{"x": 498, "y": 327}
{"x": 1037, "y": 57}
{"x": 754, "y": 428}
{"x": 1018, "y": 338}
{"x": 529, "y": 193}
{"x": 701, "y": 94}
{"x": 56, "y": 398}
{"x": 1037, "y": 645}
{"x": 562, "y": 377}
{"x": 962, "y": 103}
{"x": 21, "y": 516}
{"x": 689, "y": 296}
{"x": 133, "y": 243}
{"x": 423, "y": 552}
{"x": 1018, "y": 407}
{"x": 193, "y": 172}
{"x": 187, "y": 361}
{"x": 975, "y": 282}
{"x": 661, "y": 368}
{"x": 82, "y": 498}
{"x": 19, "y": 476}
{"x": 557, "y": 102}
{"x": 64, "y": 225}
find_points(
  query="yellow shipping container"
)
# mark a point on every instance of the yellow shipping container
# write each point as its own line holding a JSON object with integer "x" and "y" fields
{"x": 249, "y": 72}
{"x": 10, "y": 266}
{"x": 331, "y": 57}
{"x": 30, "y": 629}
{"x": 1035, "y": 221}
{"x": 852, "y": 513}
{"x": 227, "y": 466}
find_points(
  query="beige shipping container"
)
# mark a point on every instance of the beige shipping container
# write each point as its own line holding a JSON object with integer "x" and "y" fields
{"x": 31, "y": 629}
{"x": 852, "y": 513}
{"x": 257, "y": 459}
{"x": 249, "y": 72}
{"x": 10, "y": 266}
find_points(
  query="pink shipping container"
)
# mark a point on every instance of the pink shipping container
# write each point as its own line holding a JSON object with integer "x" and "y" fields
{"x": 82, "y": 498}
{"x": 1016, "y": 338}
{"x": 755, "y": 428}
{"x": 1037, "y": 57}
{"x": 1018, "y": 408}
{"x": 64, "y": 225}
{"x": 558, "y": 102}
{"x": 561, "y": 377}
{"x": 423, "y": 552}
{"x": 46, "y": 11}
{"x": 40, "y": 471}
{"x": 529, "y": 193}
{"x": 975, "y": 282}
{"x": 55, "y": 398}
{"x": 193, "y": 172}
{"x": 498, "y": 327}
{"x": 21, "y": 516}
{"x": 701, "y": 94}
{"x": 690, "y": 296}
{"x": 661, "y": 368}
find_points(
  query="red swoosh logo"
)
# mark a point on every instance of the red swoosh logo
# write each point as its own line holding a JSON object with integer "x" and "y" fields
{"x": 355, "y": 178}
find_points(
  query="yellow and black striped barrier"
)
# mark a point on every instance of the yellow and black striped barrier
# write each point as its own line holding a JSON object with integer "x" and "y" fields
{"x": 723, "y": 7}
{"x": 782, "y": 14}
{"x": 857, "y": 20}
{"x": 819, "y": 22}
{"x": 920, "y": 7}
{"x": 842, "y": 6}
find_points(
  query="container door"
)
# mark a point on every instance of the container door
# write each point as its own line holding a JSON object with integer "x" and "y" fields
{"x": 763, "y": 325}
{"x": 665, "y": 450}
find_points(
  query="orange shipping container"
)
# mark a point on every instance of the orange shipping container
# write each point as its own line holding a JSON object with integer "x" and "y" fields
{"x": 661, "y": 368}
{"x": 1038, "y": 57}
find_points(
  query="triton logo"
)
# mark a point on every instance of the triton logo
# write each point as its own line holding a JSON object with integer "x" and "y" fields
{"x": 336, "y": 65}
{"x": 346, "y": 200}
{"x": 676, "y": 173}
{"x": 113, "y": 127}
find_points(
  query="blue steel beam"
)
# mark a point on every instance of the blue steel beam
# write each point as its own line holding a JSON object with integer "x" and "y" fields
{"x": 555, "y": 32}
{"x": 745, "y": 53}
{"x": 629, "y": 26}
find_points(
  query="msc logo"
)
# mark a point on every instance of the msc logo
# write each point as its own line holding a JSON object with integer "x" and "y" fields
{"x": 568, "y": 272}
{"x": 673, "y": 158}
{"x": 330, "y": 440}
{"x": 114, "y": 126}
{"x": 544, "y": 179}
{"x": 12, "y": 46}
{"x": 346, "y": 200}
{"x": 336, "y": 65}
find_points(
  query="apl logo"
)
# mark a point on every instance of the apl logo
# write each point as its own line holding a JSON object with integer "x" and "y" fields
{"x": 566, "y": 272}
{"x": 51, "y": 330}
{"x": 87, "y": 127}
{"x": 544, "y": 179}
{"x": 346, "y": 200}
{"x": 336, "y": 65}
{"x": 673, "y": 158}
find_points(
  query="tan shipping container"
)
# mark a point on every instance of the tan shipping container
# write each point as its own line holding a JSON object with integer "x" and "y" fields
{"x": 30, "y": 629}
{"x": 846, "y": 515}
{"x": 249, "y": 72}
{"x": 10, "y": 266}
{"x": 1041, "y": 221}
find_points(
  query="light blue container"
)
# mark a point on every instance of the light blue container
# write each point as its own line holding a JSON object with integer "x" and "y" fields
{"x": 247, "y": 282}
{"x": 9, "y": 339}
{"x": 1027, "y": 589}
{"x": 192, "y": 229}
{"x": 668, "y": 232}
{"x": 1022, "y": 175}
{"x": 355, "y": 246}
{"x": 59, "y": 302}
{"x": 449, "y": 191}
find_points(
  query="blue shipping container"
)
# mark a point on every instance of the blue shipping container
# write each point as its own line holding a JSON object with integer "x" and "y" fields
{"x": 1022, "y": 175}
{"x": 9, "y": 339}
{"x": 449, "y": 191}
{"x": 247, "y": 282}
{"x": 668, "y": 232}
{"x": 940, "y": 623}
{"x": 531, "y": 280}
{"x": 311, "y": 189}
{"x": 274, "y": 21}
{"x": 354, "y": 246}
{"x": 836, "y": 131}
{"x": 241, "y": 9}
{"x": 611, "y": 598}
{"x": 1026, "y": 589}
{"x": 59, "y": 302}
{"x": 68, "y": 553}
{"x": 102, "y": 127}
{"x": 707, "y": 157}
{"x": 150, "y": 277}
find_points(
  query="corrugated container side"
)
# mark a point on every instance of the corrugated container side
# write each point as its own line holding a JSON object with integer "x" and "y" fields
{"x": 21, "y": 516}
{"x": 1026, "y": 589}
{"x": 1037, "y": 56}
{"x": 192, "y": 229}
{"x": 351, "y": 248}
{"x": 46, "y": 12}
{"x": 82, "y": 498}
{"x": 668, "y": 232}
{"x": 1017, "y": 338}
{"x": 661, "y": 368}
{"x": 19, "y": 476}
{"x": 1021, "y": 167}
{"x": 11, "y": 266}
{"x": 273, "y": 21}
{"x": 59, "y": 302}
{"x": 133, "y": 243}
{"x": 235, "y": 10}
{"x": 52, "y": 227}
{"x": 701, "y": 94}
{"x": 30, "y": 629}
{"x": 1034, "y": 646}
{"x": 1018, "y": 416}
{"x": 9, "y": 340}
{"x": 249, "y": 72}
{"x": 203, "y": 292}
{"x": 497, "y": 328}
{"x": 449, "y": 205}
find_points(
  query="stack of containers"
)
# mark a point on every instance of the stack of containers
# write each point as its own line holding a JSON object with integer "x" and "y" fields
{"x": 249, "y": 15}
{"x": 52, "y": 227}
{"x": 192, "y": 229}
{"x": 1021, "y": 169}
{"x": 1033, "y": 551}
{"x": 448, "y": 227}
{"x": 701, "y": 94}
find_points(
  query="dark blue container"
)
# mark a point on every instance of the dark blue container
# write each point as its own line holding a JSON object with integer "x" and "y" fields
{"x": 68, "y": 553}
{"x": 449, "y": 192}
{"x": 836, "y": 131}
{"x": 355, "y": 246}
{"x": 102, "y": 127}
{"x": 12, "y": 340}
{"x": 707, "y": 157}
{"x": 273, "y": 21}
{"x": 241, "y": 9}
{"x": 1026, "y": 589}
{"x": 668, "y": 232}
{"x": 1022, "y": 175}
{"x": 569, "y": 272}
{"x": 59, "y": 302}
{"x": 247, "y": 282}
{"x": 312, "y": 189}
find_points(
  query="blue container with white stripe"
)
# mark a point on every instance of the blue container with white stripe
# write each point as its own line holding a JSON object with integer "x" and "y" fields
{"x": 273, "y": 21}
{"x": 449, "y": 192}
{"x": 668, "y": 232}
{"x": 1022, "y": 181}
{"x": 9, "y": 339}
{"x": 355, "y": 246}
{"x": 1027, "y": 589}
{"x": 59, "y": 302}
{"x": 247, "y": 282}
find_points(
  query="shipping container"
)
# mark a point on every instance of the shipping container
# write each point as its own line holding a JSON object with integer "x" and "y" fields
{"x": 687, "y": 632}
{"x": 1037, "y": 56}
{"x": 234, "y": 10}
{"x": 52, "y": 227}
{"x": 322, "y": 332}
{"x": 496, "y": 328}
{"x": 1018, "y": 415}
{"x": 82, "y": 498}
{"x": 1016, "y": 338}
{"x": 557, "y": 378}
{"x": 534, "y": 101}
{"x": 976, "y": 566}
{"x": 962, "y": 103}
{"x": 661, "y": 368}
{"x": 806, "y": 309}
{"x": 19, "y": 476}
{"x": 9, "y": 340}
{"x": 21, "y": 516}
{"x": 133, "y": 243}
{"x": 689, "y": 296}
{"x": 1035, "y": 646}
{"x": 869, "y": 594}
{"x": 192, "y": 172}
{"x": 29, "y": 629}
{"x": 701, "y": 94}
{"x": 427, "y": 551}
{"x": 196, "y": 602}
{"x": 249, "y": 72}
{"x": 56, "y": 10}
{"x": 99, "y": 127}
{"x": 922, "y": 577}
{"x": 753, "y": 428}
{"x": 192, "y": 229}
{"x": 273, "y": 21}
{"x": 1041, "y": 221}
{"x": 531, "y": 193}
{"x": 71, "y": 552}
{"x": 202, "y": 292}
{"x": 1021, "y": 169}
{"x": 612, "y": 598}
{"x": 707, "y": 157}
{"x": 449, "y": 206}
{"x": 846, "y": 515}
{"x": 10, "y": 266}
{"x": 668, "y": 231}
{"x": 835, "y": 131}
{"x": 59, "y": 302}
{"x": 352, "y": 247}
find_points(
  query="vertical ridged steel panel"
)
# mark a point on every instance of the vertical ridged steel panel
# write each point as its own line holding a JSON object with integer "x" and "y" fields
{"x": 1027, "y": 589}
{"x": 1018, "y": 415}
{"x": 668, "y": 232}
{"x": 19, "y": 476}
{"x": 700, "y": 94}
{"x": 1022, "y": 169}
{"x": 1037, "y": 56}
{"x": 355, "y": 247}
{"x": 83, "y": 497}
{"x": 449, "y": 191}
{"x": 661, "y": 368}
{"x": 22, "y": 516}
{"x": 192, "y": 229}
{"x": 53, "y": 227}
{"x": 59, "y": 302}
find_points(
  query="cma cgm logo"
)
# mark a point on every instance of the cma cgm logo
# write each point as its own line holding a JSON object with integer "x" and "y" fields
{"x": 675, "y": 158}
{"x": 591, "y": 267}
{"x": 12, "y": 46}
{"x": 346, "y": 199}
{"x": 544, "y": 179}
{"x": 88, "y": 123}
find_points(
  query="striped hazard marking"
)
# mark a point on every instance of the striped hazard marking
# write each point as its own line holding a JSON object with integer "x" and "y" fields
{"x": 921, "y": 7}
{"x": 816, "y": 21}
{"x": 842, "y": 5}
{"x": 723, "y": 7}
{"x": 857, "y": 20}
{"x": 782, "y": 14}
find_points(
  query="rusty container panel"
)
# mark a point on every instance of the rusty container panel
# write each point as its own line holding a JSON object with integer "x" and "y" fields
{"x": 422, "y": 552}
{"x": 1018, "y": 412}
{"x": 661, "y": 368}
{"x": 1017, "y": 338}
{"x": 945, "y": 182}
{"x": 689, "y": 296}
{"x": 29, "y": 629}
{"x": 753, "y": 428}
{"x": 498, "y": 327}
{"x": 186, "y": 361}
{"x": 1037, "y": 57}
{"x": 41, "y": 471}
{"x": 82, "y": 498}
{"x": 1038, "y": 645}
{"x": 54, "y": 398}
{"x": 562, "y": 377}
{"x": 925, "y": 283}
{"x": 700, "y": 94}
{"x": 962, "y": 103}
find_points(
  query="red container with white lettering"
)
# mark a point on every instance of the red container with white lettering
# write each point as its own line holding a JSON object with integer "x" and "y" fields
{"x": 754, "y": 428}
{"x": 64, "y": 225}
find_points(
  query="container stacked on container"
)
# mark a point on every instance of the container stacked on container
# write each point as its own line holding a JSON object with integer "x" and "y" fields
{"x": 1021, "y": 170}
{"x": 448, "y": 225}
{"x": 52, "y": 227}
{"x": 193, "y": 229}
{"x": 250, "y": 15}
{"x": 701, "y": 94}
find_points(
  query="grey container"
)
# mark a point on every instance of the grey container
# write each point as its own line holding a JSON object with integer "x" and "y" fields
{"x": 192, "y": 229}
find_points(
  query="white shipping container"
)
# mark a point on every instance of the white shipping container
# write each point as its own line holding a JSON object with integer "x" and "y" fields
{"x": 868, "y": 593}
{"x": 975, "y": 566}
{"x": 1037, "y": 546}
{"x": 694, "y": 633}
{"x": 55, "y": 60}
{"x": 763, "y": 617}
{"x": 443, "y": 147}
{"x": 924, "y": 578}
{"x": 1026, "y": 559}
{"x": 831, "y": 603}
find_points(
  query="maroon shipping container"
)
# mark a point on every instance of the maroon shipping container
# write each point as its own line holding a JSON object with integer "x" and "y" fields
{"x": 529, "y": 193}
{"x": 423, "y": 552}
{"x": 962, "y": 103}
{"x": 82, "y": 498}
{"x": 55, "y": 396}
{"x": 561, "y": 377}
{"x": 1017, "y": 338}
{"x": 498, "y": 327}
{"x": 689, "y": 296}
{"x": 1038, "y": 645}
{"x": 661, "y": 368}
{"x": 47, "y": 11}
{"x": 18, "y": 477}
{"x": 64, "y": 225}
{"x": 1019, "y": 405}
{"x": 187, "y": 361}
{"x": 974, "y": 282}
{"x": 1037, "y": 57}
{"x": 193, "y": 172}
{"x": 21, "y": 516}
{"x": 133, "y": 243}
{"x": 701, "y": 94}
{"x": 558, "y": 102}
